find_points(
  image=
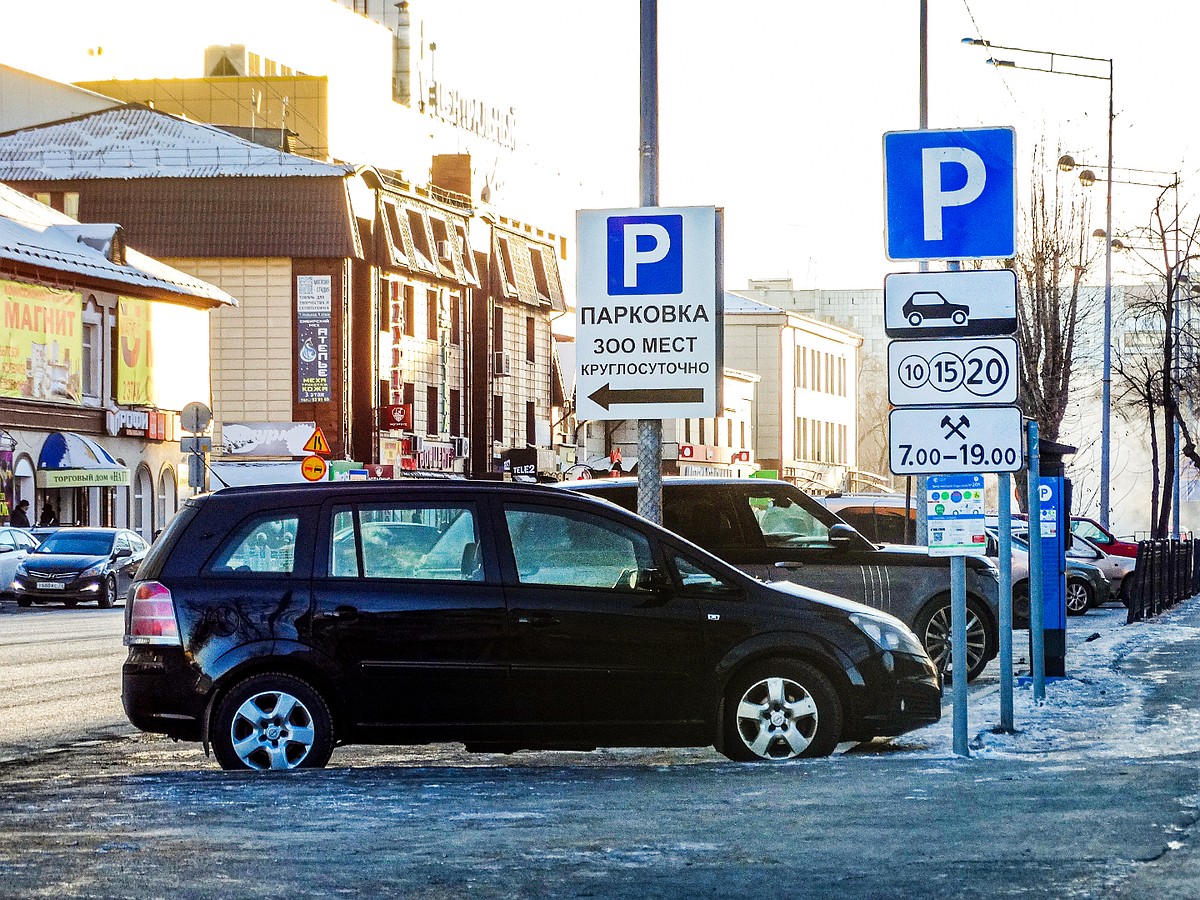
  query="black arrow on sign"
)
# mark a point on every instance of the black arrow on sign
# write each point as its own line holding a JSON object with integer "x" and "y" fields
{"x": 607, "y": 396}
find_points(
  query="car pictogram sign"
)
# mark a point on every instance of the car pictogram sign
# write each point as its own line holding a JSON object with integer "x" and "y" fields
{"x": 317, "y": 443}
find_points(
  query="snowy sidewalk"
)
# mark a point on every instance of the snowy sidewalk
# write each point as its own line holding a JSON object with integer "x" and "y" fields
{"x": 1131, "y": 692}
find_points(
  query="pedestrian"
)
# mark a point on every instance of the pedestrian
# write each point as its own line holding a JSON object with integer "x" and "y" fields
{"x": 48, "y": 517}
{"x": 20, "y": 515}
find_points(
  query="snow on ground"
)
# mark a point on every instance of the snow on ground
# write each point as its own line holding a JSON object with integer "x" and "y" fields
{"x": 1096, "y": 711}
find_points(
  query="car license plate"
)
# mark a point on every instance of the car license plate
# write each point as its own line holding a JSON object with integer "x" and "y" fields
{"x": 50, "y": 586}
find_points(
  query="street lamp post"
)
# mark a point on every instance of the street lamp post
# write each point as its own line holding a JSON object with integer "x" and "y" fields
{"x": 1106, "y": 380}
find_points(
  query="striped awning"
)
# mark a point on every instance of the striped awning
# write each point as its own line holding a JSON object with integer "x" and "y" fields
{"x": 72, "y": 460}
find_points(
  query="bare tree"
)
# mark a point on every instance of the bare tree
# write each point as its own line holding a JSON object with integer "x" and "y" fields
{"x": 1052, "y": 261}
{"x": 1157, "y": 365}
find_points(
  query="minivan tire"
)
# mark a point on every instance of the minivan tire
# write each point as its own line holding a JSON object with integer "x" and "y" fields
{"x": 272, "y": 721}
{"x": 777, "y": 710}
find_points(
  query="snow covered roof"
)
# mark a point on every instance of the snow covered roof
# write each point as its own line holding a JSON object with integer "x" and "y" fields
{"x": 134, "y": 141}
{"x": 735, "y": 303}
{"x": 34, "y": 234}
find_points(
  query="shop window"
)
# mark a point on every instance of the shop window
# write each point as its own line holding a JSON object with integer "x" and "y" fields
{"x": 168, "y": 495}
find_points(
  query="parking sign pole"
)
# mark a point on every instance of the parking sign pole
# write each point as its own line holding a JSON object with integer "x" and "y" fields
{"x": 1006, "y": 665}
{"x": 1037, "y": 631}
{"x": 958, "y": 643}
{"x": 649, "y": 496}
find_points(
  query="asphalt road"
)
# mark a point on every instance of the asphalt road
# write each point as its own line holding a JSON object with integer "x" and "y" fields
{"x": 138, "y": 816}
{"x": 60, "y": 677}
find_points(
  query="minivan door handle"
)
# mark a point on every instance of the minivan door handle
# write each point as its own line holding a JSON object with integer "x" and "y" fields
{"x": 344, "y": 613}
{"x": 536, "y": 619}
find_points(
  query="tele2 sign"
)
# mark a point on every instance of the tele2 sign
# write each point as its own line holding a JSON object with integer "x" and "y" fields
{"x": 648, "y": 342}
{"x": 950, "y": 194}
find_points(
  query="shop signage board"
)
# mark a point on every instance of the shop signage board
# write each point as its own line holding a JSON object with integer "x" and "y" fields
{"x": 972, "y": 371}
{"x": 266, "y": 438}
{"x": 954, "y": 504}
{"x": 314, "y": 323}
{"x": 966, "y": 303}
{"x": 648, "y": 324}
{"x": 945, "y": 440}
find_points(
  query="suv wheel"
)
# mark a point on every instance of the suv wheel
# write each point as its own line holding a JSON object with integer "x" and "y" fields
{"x": 272, "y": 721}
{"x": 933, "y": 628}
{"x": 777, "y": 710}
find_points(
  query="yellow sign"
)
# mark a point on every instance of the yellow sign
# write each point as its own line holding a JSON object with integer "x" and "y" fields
{"x": 41, "y": 342}
{"x": 64, "y": 478}
{"x": 134, "y": 361}
{"x": 313, "y": 468}
{"x": 317, "y": 443}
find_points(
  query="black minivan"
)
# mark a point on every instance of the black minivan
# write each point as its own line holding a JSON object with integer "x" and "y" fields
{"x": 273, "y": 623}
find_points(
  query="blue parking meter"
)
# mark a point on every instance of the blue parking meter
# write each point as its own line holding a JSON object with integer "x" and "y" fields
{"x": 1056, "y": 525}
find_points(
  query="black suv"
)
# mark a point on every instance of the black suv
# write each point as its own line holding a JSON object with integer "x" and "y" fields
{"x": 775, "y": 531}
{"x": 276, "y": 622}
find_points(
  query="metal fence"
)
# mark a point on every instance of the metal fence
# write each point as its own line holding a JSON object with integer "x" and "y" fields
{"x": 1167, "y": 572}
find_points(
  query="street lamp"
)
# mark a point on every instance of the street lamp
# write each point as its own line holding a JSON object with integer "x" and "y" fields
{"x": 1106, "y": 381}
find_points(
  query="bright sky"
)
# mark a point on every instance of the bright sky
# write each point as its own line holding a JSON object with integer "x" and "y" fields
{"x": 773, "y": 110}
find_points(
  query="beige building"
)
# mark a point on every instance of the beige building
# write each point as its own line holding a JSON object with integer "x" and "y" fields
{"x": 806, "y": 413}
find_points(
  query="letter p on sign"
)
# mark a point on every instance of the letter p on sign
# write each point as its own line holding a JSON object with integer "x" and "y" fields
{"x": 950, "y": 194}
{"x": 645, "y": 255}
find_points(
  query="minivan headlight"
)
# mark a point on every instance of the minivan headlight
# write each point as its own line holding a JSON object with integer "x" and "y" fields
{"x": 888, "y": 634}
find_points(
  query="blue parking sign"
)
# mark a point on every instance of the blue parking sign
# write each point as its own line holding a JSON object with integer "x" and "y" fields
{"x": 645, "y": 255}
{"x": 950, "y": 194}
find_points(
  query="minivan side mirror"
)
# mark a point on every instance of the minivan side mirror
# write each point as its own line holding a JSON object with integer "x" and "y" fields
{"x": 841, "y": 534}
{"x": 122, "y": 551}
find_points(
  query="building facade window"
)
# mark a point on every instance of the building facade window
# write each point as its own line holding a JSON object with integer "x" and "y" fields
{"x": 530, "y": 423}
{"x": 431, "y": 315}
{"x": 455, "y": 413}
{"x": 410, "y": 310}
{"x": 455, "y": 319}
{"x": 498, "y": 418}
{"x": 91, "y": 365}
{"x": 432, "y": 425}
{"x": 530, "y": 338}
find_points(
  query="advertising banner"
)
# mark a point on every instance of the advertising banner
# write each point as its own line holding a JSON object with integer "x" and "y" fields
{"x": 134, "y": 362}
{"x": 314, "y": 303}
{"x": 41, "y": 342}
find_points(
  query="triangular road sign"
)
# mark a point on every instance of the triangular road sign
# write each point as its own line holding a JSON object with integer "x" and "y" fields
{"x": 317, "y": 443}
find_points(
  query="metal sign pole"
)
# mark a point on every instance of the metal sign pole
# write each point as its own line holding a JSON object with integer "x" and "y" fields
{"x": 1036, "y": 601}
{"x": 958, "y": 644}
{"x": 1006, "y": 664}
{"x": 649, "y": 494}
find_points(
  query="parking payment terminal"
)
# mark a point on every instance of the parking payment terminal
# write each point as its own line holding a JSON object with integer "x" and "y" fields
{"x": 1054, "y": 507}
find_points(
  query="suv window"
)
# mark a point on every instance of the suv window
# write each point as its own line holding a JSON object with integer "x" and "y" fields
{"x": 785, "y": 523}
{"x": 575, "y": 549}
{"x": 407, "y": 541}
{"x": 265, "y": 543}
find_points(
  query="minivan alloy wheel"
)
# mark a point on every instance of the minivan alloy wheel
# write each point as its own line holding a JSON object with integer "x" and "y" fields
{"x": 272, "y": 721}
{"x": 781, "y": 711}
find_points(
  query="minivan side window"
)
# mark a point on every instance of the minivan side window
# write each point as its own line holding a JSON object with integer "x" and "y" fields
{"x": 575, "y": 549}
{"x": 264, "y": 544}
{"x": 406, "y": 540}
{"x": 785, "y": 523}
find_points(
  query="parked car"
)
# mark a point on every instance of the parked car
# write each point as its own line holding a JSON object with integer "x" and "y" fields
{"x": 1087, "y": 585}
{"x": 538, "y": 618}
{"x": 1102, "y": 537}
{"x": 15, "y": 544}
{"x": 79, "y": 565}
{"x": 879, "y": 517}
{"x": 775, "y": 531}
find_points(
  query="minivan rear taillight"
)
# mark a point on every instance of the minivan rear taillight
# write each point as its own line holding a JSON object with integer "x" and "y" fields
{"x": 152, "y": 616}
